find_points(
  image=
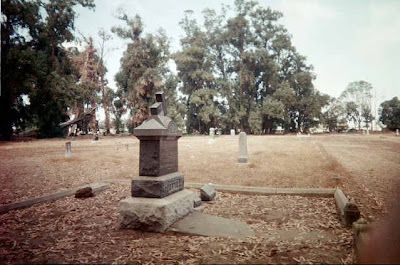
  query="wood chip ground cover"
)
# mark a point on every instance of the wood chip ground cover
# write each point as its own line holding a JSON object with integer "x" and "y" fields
{"x": 73, "y": 230}
{"x": 291, "y": 229}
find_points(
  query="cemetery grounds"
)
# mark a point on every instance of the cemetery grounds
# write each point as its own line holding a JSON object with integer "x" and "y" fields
{"x": 289, "y": 229}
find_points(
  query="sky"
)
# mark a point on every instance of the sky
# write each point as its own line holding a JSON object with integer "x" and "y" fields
{"x": 344, "y": 40}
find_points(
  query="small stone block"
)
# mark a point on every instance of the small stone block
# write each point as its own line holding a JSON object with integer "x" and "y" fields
{"x": 196, "y": 202}
{"x": 151, "y": 214}
{"x": 242, "y": 160}
{"x": 157, "y": 187}
{"x": 351, "y": 213}
{"x": 207, "y": 192}
{"x": 84, "y": 193}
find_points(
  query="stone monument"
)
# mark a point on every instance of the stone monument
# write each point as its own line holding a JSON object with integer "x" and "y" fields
{"x": 243, "y": 157}
{"x": 232, "y": 132}
{"x": 158, "y": 195}
{"x": 397, "y": 132}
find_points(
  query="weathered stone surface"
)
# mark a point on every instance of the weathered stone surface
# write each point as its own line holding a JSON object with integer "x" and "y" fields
{"x": 158, "y": 137}
{"x": 243, "y": 157}
{"x": 348, "y": 212}
{"x": 84, "y": 193}
{"x": 196, "y": 202}
{"x": 157, "y": 187}
{"x": 158, "y": 156}
{"x": 151, "y": 214}
{"x": 360, "y": 234}
{"x": 207, "y": 192}
{"x": 96, "y": 187}
{"x": 308, "y": 192}
{"x": 68, "y": 149}
{"x": 212, "y": 133}
{"x": 198, "y": 223}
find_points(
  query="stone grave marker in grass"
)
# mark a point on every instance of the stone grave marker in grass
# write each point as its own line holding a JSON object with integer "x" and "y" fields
{"x": 68, "y": 149}
{"x": 243, "y": 156}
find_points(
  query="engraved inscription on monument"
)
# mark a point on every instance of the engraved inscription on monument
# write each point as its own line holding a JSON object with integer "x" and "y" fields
{"x": 160, "y": 187}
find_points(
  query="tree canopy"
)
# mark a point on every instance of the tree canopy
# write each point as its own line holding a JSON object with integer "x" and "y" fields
{"x": 36, "y": 65}
{"x": 238, "y": 69}
{"x": 390, "y": 113}
{"x": 245, "y": 72}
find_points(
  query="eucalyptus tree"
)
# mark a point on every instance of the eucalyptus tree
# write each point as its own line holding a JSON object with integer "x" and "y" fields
{"x": 390, "y": 113}
{"x": 356, "y": 99}
{"x": 143, "y": 66}
{"x": 36, "y": 64}
{"x": 89, "y": 68}
{"x": 194, "y": 67}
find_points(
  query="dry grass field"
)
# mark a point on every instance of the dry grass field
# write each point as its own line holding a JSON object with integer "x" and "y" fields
{"x": 368, "y": 168}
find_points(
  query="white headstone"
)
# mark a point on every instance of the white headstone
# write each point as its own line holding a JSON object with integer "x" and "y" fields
{"x": 243, "y": 157}
{"x": 232, "y": 132}
{"x": 212, "y": 133}
{"x": 397, "y": 132}
{"x": 68, "y": 149}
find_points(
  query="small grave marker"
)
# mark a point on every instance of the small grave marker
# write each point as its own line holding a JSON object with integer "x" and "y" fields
{"x": 68, "y": 149}
{"x": 243, "y": 157}
{"x": 232, "y": 132}
{"x": 212, "y": 133}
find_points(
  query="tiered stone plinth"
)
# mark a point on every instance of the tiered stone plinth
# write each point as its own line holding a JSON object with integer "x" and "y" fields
{"x": 158, "y": 198}
{"x": 157, "y": 187}
{"x": 154, "y": 214}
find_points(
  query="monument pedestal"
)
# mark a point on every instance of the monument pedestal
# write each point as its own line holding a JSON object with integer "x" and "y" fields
{"x": 154, "y": 214}
{"x": 157, "y": 187}
{"x": 158, "y": 195}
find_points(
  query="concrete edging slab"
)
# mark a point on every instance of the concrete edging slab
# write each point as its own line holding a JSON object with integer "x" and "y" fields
{"x": 96, "y": 187}
{"x": 348, "y": 212}
{"x": 325, "y": 192}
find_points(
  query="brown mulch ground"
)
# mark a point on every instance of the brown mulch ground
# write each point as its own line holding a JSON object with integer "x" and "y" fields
{"x": 86, "y": 231}
{"x": 289, "y": 229}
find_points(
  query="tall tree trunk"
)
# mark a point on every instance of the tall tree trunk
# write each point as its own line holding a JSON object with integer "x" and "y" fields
{"x": 105, "y": 103}
{"x": 93, "y": 121}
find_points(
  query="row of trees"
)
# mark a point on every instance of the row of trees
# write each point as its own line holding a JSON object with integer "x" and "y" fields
{"x": 238, "y": 72}
{"x": 43, "y": 82}
{"x": 36, "y": 65}
{"x": 234, "y": 71}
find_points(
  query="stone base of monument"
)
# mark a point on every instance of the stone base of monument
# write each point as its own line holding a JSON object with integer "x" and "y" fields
{"x": 157, "y": 187}
{"x": 242, "y": 160}
{"x": 154, "y": 214}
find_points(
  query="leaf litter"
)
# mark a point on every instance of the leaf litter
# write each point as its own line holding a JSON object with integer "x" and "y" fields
{"x": 303, "y": 230}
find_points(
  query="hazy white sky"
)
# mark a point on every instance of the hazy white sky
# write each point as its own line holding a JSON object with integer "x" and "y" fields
{"x": 344, "y": 40}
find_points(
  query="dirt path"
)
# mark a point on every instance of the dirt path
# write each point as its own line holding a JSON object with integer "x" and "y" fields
{"x": 370, "y": 166}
